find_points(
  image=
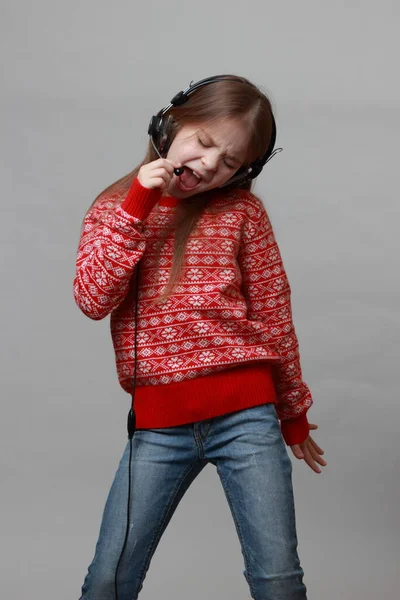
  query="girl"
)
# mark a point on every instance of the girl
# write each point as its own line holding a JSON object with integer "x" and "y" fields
{"x": 216, "y": 360}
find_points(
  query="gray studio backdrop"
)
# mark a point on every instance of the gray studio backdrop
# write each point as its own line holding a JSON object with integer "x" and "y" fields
{"x": 80, "y": 81}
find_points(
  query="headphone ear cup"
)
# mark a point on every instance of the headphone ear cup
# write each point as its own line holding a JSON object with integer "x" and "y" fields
{"x": 156, "y": 127}
{"x": 256, "y": 169}
{"x": 165, "y": 134}
{"x": 153, "y": 126}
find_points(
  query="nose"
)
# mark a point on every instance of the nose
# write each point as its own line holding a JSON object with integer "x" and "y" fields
{"x": 210, "y": 160}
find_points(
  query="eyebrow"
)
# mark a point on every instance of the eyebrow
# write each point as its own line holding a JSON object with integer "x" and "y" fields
{"x": 231, "y": 156}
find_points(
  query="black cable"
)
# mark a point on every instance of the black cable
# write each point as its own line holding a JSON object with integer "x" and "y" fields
{"x": 131, "y": 425}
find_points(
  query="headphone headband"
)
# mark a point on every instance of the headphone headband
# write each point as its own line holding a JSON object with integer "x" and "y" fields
{"x": 160, "y": 128}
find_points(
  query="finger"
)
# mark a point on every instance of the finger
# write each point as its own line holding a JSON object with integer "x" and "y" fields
{"x": 315, "y": 445}
{"x": 162, "y": 173}
{"x": 315, "y": 455}
{"x": 160, "y": 163}
{"x": 168, "y": 167}
{"x": 159, "y": 182}
{"x": 310, "y": 461}
{"x": 158, "y": 167}
{"x": 155, "y": 164}
{"x": 297, "y": 451}
{"x": 312, "y": 426}
{"x": 172, "y": 165}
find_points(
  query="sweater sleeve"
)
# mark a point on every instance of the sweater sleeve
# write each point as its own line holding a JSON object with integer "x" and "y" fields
{"x": 111, "y": 244}
{"x": 268, "y": 296}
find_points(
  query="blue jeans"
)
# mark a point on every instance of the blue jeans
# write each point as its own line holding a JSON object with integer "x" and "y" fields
{"x": 255, "y": 470}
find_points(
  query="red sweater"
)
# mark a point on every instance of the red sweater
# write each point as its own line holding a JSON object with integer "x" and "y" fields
{"x": 224, "y": 340}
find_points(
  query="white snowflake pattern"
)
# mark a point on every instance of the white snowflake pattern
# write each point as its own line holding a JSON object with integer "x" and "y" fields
{"x": 201, "y": 328}
{"x": 142, "y": 338}
{"x": 227, "y": 275}
{"x": 194, "y": 245}
{"x": 174, "y": 362}
{"x": 196, "y": 300}
{"x": 194, "y": 274}
{"x": 207, "y": 357}
{"x": 229, "y": 219}
{"x": 169, "y": 333}
{"x": 238, "y": 353}
{"x": 100, "y": 278}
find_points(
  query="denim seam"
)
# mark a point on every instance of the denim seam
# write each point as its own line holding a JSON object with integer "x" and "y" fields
{"x": 199, "y": 441}
{"x": 246, "y": 560}
{"x": 159, "y": 531}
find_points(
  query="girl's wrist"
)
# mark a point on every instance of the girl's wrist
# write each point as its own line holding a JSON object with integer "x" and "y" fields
{"x": 140, "y": 200}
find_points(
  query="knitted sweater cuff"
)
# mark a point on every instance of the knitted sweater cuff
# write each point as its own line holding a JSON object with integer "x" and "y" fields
{"x": 140, "y": 200}
{"x": 295, "y": 431}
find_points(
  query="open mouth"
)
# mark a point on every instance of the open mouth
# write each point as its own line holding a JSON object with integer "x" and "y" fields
{"x": 189, "y": 179}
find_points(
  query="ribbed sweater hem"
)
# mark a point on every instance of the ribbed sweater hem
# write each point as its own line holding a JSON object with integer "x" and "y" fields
{"x": 213, "y": 395}
{"x": 140, "y": 200}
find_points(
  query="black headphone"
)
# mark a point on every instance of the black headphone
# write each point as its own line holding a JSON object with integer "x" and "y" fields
{"x": 159, "y": 130}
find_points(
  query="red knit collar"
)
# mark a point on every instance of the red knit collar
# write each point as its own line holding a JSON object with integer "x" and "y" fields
{"x": 168, "y": 201}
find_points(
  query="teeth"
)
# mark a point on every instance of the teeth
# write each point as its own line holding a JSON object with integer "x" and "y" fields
{"x": 197, "y": 175}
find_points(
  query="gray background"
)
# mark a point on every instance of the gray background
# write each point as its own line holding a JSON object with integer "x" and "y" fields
{"x": 80, "y": 81}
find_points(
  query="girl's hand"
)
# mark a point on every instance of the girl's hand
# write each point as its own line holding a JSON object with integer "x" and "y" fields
{"x": 157, "y": 174}
{"x": 310, "y": 451}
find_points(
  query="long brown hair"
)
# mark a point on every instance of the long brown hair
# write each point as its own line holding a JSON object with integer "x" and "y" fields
{"x": 225, "y": 99}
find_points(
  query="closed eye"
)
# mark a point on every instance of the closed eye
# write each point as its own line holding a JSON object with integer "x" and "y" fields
{"x": 207, "y": 146}
{"x": 203, "y": 144}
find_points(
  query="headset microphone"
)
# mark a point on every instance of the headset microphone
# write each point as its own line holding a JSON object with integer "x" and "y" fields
{"x": 177, "y": 171}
